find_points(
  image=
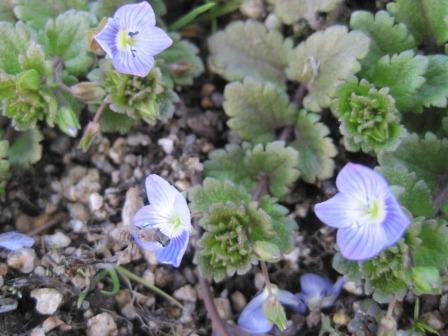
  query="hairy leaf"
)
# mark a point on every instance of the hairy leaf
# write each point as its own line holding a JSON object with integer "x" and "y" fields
{"x": 115, "y": 122}
{"x": 324, "y": 60}
{"x": 213, "y": 191}
{"x": 257, "y": 109}
{"x": 65, "y": 37}
{"x": 427, "y": 157}
{"x": 249, "y": 49}
{"x": 14, "y": 40}
{"x": 434, "y": 92}
{"x": 369, "y": 119}
{"x": 291, "y": 11}
{"x": 424, "y": 18}
{"x": 403, "y": 74}
{"x": 180, "y": 63}
{"x": 413, "y": 193}
{"x": 36, "y": 13}
{"x": 275, "y": 160}
{"x": 26, "y": 149}
{"x": 316, "y": 149}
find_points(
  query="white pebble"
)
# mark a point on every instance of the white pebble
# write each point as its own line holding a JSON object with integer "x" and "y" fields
{"x": 95, "y": 202}
{"x": 102, "y": 325}
{"x": 48, "y": 300}
{"x": 166, "y": 144}
{"x": 22, "y": 260}
{"x": 57, "y": 240}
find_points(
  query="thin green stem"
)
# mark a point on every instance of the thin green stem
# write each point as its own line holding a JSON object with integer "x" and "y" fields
{"x": 191, "y": 16}
{"x": 123, "y": 271}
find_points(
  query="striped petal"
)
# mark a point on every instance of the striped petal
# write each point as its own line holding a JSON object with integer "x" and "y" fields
{"x": 135, "y": 16}
{"x": 159, "y": 191}
{"x": 172, "y": 253}
{"x": 252, "y": 319}
{"x": 396, "y": 221}
{"x": 107, "y": 38}
{"x": 339, "y": 211}
{"x": 132, "y": 64}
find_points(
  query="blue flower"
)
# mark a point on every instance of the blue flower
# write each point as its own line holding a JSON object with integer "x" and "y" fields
{"x": 365, "y": 211}
{"x": 132, "y": 40}
{"x": 14, "y": 240}
{"x": 164, "y": 225}
{"x": 318, "y": 292}
{"x": 252, "y": 318}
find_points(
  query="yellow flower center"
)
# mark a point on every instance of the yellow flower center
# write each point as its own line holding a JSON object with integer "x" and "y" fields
{"x": 125, "y": 41}
{"x": 376, "y": 211}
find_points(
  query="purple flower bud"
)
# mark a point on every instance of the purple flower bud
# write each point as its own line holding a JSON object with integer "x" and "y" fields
{"x": 164, "y": 225}
{"x": 132, "y": 40}
{"x": 365, "y": 211}
{"x": 318, "y": 292}
{"x": 14, "y": 240}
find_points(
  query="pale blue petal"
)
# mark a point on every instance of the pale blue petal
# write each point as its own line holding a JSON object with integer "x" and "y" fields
{"x": 396, "y": 221}
{"x": 152, "y": 41}
{"x": 159, "y": 191}
{"x": 107, "y": 38}
{"x": 132, "y": 64}
{"x": 339, "y": 211}
{"x": 252, "y": 318}
{"x": 362, "y": 183}
{"x": 134, "y": 16}
{"x": 181, "y": 206}
{"x": 151, "y": 216}
{"x": 312, "y": 284}
{"x": 361, "y": 242}
{"x": 172, "y": 253}
{"x": 291, "y": 301}
{"x": 333, "y": 294}
{"x": 14, "y": 240}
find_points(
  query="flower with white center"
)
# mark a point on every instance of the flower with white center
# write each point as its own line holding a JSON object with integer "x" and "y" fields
{"x": 14, "y": 240}
{"x": 132, "y": 40}
{"x": 365, "y": 211}
{"x": 318, "y": 292}
{"x": 253, "y": 320}
{"x": 164, "y": 225}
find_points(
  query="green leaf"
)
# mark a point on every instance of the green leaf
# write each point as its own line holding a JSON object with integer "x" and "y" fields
{"x": 350, "y": 269}
{"x": 427, "y": 157}
{"x": 427, "y": 280}
{"x": 26, "y": 149}
{"x": 324, "y": 60}
{"x": 403, "y": 74}
{"x": 115, "y": 122}
{"x": 429, "y": 241}
{"x": 257, "y": 110}
{"x": 180, "y": 63}
{"x": 434, "y": 92}
{"x": 316, "y": 149}
{"x": 274, "y": 159}
{"x": 212, "y": 192}
{"x": 369, "y": 119}
{"x": 291, "y": 11}
{"x": 274, "y": 311}
{"x": 249, "y": 49}
{"x": 6, "y": 11}
{"x": 387, "y": 37}
{"x": 424, "y": 18}
{"x": 414, "y": 194}
{"x": 14, "y": 40}
{"x": 65, "y": 37}
{"x": 267, "y": 251}
{"x": 36, "y": 13}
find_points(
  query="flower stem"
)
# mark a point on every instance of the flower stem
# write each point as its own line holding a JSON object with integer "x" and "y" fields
{"x": 57, "y": 68}
{"x": 264, "y": 270}
{"x": 390, "y": 308}
{"x": 123, "y": 271}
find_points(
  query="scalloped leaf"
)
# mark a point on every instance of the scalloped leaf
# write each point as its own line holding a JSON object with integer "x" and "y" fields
{"x": 324, "y": 60}
{"x": 316, "y": 149}
{"x": 257, "y": 110}
{"x": 427, "y": 157}
{"x": 413, "y": 193}
{"x": 36, "y": 13}
{"x": 115, "y": 122}
{"x": 434, "y": 92}
{"x": 66, "y": 37}
{"x": 180, "y": 63}
{"x": 274, "y": 159}
{"x": 387, "y": 36}
{"x": 26, "y": 149}
{"x": 213, "y": 191}
{"x": 14, "y": 40}
{"x": 424, "y": 18}
{"x": 291, "y": 11}
{"x": 249, "y": 49}
{"x": 403, "y": 74}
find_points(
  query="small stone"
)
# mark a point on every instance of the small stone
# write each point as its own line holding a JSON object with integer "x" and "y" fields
{"x": 48, "y": 300}
{"x": 129, "y": 312}
{"x": 223, "y": 307}
{"x": 52, "y": 323}
{"x": 3, "y": 269}
{"x": 138, "y": 139}
{"x": 102, "y": 325}
{"x": 341, "y": 317}
{"x": 22, "y": 260}
{"x": 24, "y": 223}
{"x": 38, "y": 331}
{"x": 95, "y": 202}
{"x": 238, "y": 301}
{"x": 148, "y": 275}
{"x": 167, "y": 145}
{"x": 186, "y": 293}
{"x": 57, "y": 240}
{"x": 132, "y": 203}
{"x": 354, "y": 287}
{"x": 206, "y": 103}
{"x": 79, "y": 211}
{"x": 434, "y": 320}
{"x": 253, "y": 9}
{"x": 116, "y": 153}
{"x": 207, "y": 89}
